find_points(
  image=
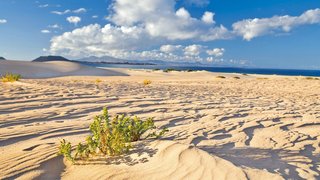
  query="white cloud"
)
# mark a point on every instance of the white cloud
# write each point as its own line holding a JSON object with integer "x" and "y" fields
{"x": 67, "y": 11}
{"x": 80, "y": 10}
{"x": 208, "y": 18}
{"x": 137, "y": 25}
{"x": 73, "y": 19}
{"x": 251, "y": 28}
{"x": 161, "y": 20}
{"x": 217, "y": 52}
{"x": 3, "y": 21}
{"x": 95, "y": 16}
{"x": 61, "y": 12}
{"x": 54, "y": 26}
{"x": 45, "y": 31}
{"x": 170, "y": 48}
{"x": 43, "y": 5}
{"x": 193, "y": 50}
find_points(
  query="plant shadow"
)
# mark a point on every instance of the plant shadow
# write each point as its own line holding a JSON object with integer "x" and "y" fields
{"x": 139, "y": 154}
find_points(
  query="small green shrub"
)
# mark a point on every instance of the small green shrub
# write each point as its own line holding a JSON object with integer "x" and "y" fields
{"x": 10, "y": 77}
{"x": 65, "y": 150}
{"x": 111, "y": 137}
{"x": 156, "y": 69}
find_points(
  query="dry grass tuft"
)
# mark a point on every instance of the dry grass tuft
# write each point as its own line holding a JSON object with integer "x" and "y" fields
{"x": 146, "y": 82}
{"x": 10, "y": 77}
{"x": 221, "y": 77}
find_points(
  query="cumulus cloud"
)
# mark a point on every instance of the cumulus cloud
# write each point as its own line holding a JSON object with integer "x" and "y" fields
{"x": 217, "y": 52}
{"x": 168, "y": 48}
{"x": 193, "y": 50}
{"x": 95, "y": 16}
{"x": 73, "y": 19}
{"x": 161, "y": 19}
{"x": 3, "y": 21}
{"x": 208, "y": 18}
{"x": 45, "y": 31}
{"x": 136, "y": 25}
{"x": 251, "y": 28}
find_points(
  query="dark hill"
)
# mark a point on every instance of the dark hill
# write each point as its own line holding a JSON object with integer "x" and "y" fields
{"x": 50, "y": 58}
{"x": 2, "y": 58}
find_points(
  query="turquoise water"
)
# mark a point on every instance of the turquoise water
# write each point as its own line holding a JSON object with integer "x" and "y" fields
{"x": 289, "y": 72}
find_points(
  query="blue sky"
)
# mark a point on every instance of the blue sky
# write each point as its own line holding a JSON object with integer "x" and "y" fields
{"x": 272, "y": 34}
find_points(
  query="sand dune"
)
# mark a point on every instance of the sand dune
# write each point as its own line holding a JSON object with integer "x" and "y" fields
{"x": 255, "y": 128}
{"x": 53, "y": 69}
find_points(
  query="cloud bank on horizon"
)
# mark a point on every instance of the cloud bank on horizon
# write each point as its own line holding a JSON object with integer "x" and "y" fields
{"x": 136, "y": 25}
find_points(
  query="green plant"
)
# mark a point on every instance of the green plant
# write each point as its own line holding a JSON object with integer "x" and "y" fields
{"x": 65, "y": 150}
{"x": 10, "y": 77}
{"x": 111, "y": 136}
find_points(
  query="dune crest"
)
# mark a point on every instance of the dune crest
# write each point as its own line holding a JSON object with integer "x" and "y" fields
{"x": 53, "y": 69}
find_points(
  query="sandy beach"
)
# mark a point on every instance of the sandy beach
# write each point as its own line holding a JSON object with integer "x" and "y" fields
{"x": 249, "y": 127}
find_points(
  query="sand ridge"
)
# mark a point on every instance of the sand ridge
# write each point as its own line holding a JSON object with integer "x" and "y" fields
{"x": 259, "y": 125}
{"x": 53, "y": 69}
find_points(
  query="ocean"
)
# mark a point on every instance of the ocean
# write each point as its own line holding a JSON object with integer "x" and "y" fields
{"x": 265, "y": 71}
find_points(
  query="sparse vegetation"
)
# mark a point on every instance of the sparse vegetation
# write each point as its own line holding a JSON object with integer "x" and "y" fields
{"x": 169, "y": 70}
{"x": 236, "y": 77}
{"x": 98, "y": 81}
{"x": 244, "y": 74}
{"x": 262, "y": 78}
{"x": 221, "y": 77}
{"x": 146, "y": 82}
{"x": 111, "y": 137}
{"x": 156, "y": 69}
{"x": 311, "y": 78}
{"x": 10, "y": 77}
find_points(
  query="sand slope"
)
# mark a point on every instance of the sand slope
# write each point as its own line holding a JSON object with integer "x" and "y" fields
{"x": 53, "y": 69}
{"x": 258, "y": 125}
{"x": 148, "y": 160}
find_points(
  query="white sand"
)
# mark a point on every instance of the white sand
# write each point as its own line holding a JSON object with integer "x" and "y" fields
{"x": 244, "y": 128}
{"x": 52, "y": 69}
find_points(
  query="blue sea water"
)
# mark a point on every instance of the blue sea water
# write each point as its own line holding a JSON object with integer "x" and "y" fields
{"x": 288, "y": 72}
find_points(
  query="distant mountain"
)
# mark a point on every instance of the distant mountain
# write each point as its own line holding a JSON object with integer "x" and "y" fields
{"x": 50, "y": 58}
{"x": 2, "y": 58}
{"x": 111, "y": 60}
{"x": 101, "y": 59}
